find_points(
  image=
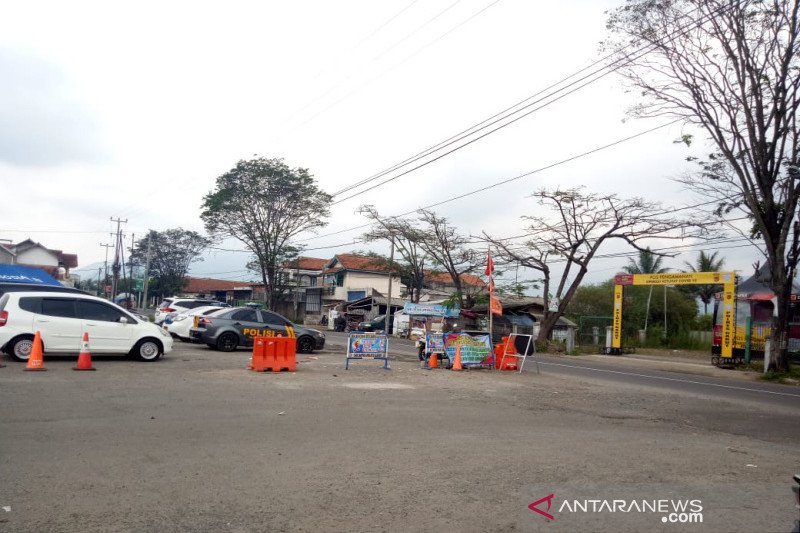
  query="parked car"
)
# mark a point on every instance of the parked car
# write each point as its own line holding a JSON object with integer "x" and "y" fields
{"x": 376, "y": 324}
{"x": 181, "y": 323}
{"x": 62, "y": 318}
{"x": 238, "y": 326}
{"x": 177, "y": 305}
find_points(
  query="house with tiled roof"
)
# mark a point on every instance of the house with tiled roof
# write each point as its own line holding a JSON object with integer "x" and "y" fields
{"x": 7, "y": 256}
{"x": 442, "y": 282}
{"x": 217, "y": 289}
{"x": 303, "y": 271}
{"x": 349, "y": 277}
{"x": 30, "y": 253}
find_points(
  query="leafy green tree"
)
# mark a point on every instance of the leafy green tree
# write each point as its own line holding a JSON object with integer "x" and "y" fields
{"x": 592, "y": 300}
{"x": 705, "y": 263}
{"x": 264, "y": 204}
{"x": 732, "y": 69}
{"x": 171, "y": 253}
{"x": 648, "y": 263}
{"x": 598, "y": 300}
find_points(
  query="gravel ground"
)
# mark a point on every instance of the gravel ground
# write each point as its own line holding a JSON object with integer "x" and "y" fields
{"x": 197, "y": 443}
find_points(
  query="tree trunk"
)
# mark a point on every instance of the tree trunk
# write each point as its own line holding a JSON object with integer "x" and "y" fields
{"x": 265, "y": 281}
{"x": 647, "y": 311}
{"x": 549, "y": 321}
{"x": 779, "y": 358}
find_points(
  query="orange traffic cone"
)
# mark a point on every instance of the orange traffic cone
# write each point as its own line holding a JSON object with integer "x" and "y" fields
{"x": 457, "y": 361}
{"x": 36, "y": 361}
{"x": 85, "y": 357}
{"x": 433, "y": 361}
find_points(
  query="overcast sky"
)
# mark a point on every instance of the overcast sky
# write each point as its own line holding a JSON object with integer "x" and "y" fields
{"x": 133, "y": 110}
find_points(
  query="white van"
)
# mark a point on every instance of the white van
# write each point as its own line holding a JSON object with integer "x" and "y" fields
{"x": 62, "y": 319}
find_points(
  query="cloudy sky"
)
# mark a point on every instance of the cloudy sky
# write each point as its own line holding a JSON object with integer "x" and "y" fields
{"x": 133, "y": 110}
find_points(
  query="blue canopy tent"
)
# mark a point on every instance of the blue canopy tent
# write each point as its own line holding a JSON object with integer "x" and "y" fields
{"x": 23, "y": 278}
{"x": 27, "y": 275}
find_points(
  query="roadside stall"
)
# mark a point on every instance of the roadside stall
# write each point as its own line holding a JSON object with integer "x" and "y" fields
{"x": 426, "y": 319}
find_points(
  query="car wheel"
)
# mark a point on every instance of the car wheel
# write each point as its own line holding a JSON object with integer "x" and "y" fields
{"x": 227, "y": 342}
{"x": 20, "y": 348}
{"x": 147, "y": 350}
{"x": 305, "y": 345}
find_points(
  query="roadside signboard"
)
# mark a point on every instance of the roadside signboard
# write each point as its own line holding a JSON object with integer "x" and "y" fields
{"x": 431, "y": 310}
{"x": 367, "y": 346}
{"x": 726, "y": 279}
{"x": 616, "y": 330}
{"x": 434, "y": 343}
{"x": 475, "y": 350}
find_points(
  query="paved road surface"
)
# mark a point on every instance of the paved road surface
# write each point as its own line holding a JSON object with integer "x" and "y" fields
{"x": 609, "y": 369}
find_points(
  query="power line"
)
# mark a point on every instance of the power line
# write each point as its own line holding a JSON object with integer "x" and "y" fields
{"x": 502, "y": 182}
{"x": 386, "y": 71}
{"x": 506, "y": 113}
{"x": 355, "y": 47}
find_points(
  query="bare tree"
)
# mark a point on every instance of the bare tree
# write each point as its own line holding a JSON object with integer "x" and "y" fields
{"x": 407, "y": 239}
{"x": 732, "y": 69}
{"x": 448, "y": 250}
{"x": 582, "y": 222}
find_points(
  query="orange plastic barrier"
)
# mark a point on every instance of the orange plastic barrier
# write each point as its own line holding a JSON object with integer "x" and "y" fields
{"x": 510, "y": 362}
{"x": 275, "y": 354}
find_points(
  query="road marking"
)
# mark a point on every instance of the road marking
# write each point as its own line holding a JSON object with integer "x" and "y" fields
{"x": 673, "y": 379}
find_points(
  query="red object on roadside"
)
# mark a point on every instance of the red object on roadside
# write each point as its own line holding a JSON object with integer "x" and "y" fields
{"x": 85, "y": 356}
{"x": 274, "y": 353}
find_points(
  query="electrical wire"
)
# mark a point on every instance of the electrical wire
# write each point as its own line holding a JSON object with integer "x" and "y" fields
{"x": 499, "y": 183}
{"x": 507, "y": 113}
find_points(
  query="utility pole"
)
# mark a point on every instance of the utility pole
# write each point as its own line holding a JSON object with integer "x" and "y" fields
{"x": 117, "y": 249}
{"x": 105, "y": 276}
{"x": 146, "y": 272}
{"x": 389, "y": 297}
{"x": 99, "y": 271}
{"x": 296, "y": 287}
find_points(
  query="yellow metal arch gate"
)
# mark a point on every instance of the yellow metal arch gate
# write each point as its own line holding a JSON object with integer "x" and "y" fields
{"x": 726, "y": 279}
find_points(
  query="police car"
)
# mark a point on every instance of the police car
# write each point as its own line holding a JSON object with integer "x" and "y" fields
{"x": 238, "y": 326}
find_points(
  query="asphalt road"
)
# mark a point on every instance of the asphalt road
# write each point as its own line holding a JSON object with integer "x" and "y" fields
{"x": 195, "y": 442}
{"x": 608, "y": 369}
{"x": 676, "y": 382}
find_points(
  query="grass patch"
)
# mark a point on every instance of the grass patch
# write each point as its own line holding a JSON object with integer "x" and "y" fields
{"x": 792, "y": 376}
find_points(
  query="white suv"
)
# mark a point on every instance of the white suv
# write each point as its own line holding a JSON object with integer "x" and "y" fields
{"x": 63, "y": 318}
{"x": 179, "y": 305}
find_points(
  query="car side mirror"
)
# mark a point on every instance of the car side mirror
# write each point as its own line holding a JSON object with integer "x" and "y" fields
{"x": 123, "y": 320}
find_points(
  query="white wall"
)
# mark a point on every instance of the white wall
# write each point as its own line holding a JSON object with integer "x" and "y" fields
{"x": 6, "y": 257}
{"x": 365, "y": 281}
{"x": 37, "y": 256}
